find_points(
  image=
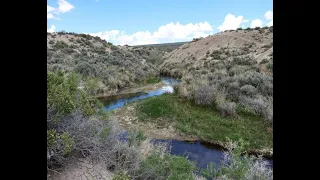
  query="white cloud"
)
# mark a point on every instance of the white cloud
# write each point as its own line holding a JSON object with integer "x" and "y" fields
{"x": 51, "y": 29}
{"x": 50, "y": 9}
{"x": 107, "y": 35}
{"x": 231, "y": 22}
{"x": 268, "y": 15}
{"x": 167, "y": 33}
{"x": 63, "y": 7}
{"x": 270, "y": 23}
{"x": 50, "y": 16}
{"x": 256, "y": 23}
{"x": 245, "y": 21}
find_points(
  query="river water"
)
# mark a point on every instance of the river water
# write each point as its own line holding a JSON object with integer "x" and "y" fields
{"x": 202, "y": 154}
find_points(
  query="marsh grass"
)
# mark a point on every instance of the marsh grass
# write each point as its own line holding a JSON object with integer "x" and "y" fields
{"x": 205, "y": 121}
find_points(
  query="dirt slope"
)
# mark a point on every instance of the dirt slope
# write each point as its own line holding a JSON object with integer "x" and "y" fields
{"x": 257, "y": 43}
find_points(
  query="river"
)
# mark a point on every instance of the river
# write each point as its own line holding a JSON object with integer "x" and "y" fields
{"x": 201, "y": 153}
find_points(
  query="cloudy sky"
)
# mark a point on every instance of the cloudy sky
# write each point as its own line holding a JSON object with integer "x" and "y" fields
{"x": 148, "y": 22}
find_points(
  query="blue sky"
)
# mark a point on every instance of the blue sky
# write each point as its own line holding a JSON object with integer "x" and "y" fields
{"x": 141, "y": 21}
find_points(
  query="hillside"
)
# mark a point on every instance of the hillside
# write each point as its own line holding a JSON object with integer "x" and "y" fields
{"x": 167, "y": 47}
{"x": 225, "y": 99}
{"x": 227, "y": 68}
{"x": 113, "y": 66}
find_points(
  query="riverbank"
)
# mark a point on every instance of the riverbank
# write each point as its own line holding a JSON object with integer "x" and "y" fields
{"x": 169, "y": 117}
{"x": 129, "y": 91}
{"x": 129, "y": 120}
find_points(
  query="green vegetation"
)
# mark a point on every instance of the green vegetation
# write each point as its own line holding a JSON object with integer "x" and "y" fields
{"x": 236, "y": 166}
{"x": 64, "y": 96}
{"x": 206, "y": 122}
{"x": 152, "y": 80}
{"x": 121, "y": 176}
{"x": 270, "y": 66}
{"x": 80, "y": 133}
{"x": 168, "y": 166}
{"x": 219, "y": 99}
{"x": 229, "y": 78}
{"x": 91, "y": 57}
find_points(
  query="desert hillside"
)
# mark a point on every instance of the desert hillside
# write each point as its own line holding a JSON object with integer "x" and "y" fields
{"x": 231, "y": 69}
{"x": 113, "y": 66}
{"x": 254, "y": 43}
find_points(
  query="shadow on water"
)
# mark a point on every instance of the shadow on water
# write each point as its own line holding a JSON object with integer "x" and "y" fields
{"x": 200, "y": 152}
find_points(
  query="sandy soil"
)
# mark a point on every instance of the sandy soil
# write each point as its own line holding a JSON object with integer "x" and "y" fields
{"x": 81, "y": 169}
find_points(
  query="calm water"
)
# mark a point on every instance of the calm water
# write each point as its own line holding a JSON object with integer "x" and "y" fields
{"x": 202, "y": 154}
{"x": 115, "y": 102}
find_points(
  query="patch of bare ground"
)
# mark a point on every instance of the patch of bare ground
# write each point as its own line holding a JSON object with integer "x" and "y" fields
{"x": 81, "y": 169}
{"x": 86, "y": 169}
{"x": 128, "y": 119}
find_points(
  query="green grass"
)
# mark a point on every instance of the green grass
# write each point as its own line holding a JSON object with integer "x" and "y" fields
{"x": 205, "y": 121}
{"x": 153, "y": 80}
{"x": 169, "y": 166}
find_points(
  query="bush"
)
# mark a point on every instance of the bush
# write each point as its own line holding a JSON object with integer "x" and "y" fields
{"x": 85, "y": 69}
{"x": 236, "y": 166}
{"x": 255, "y": 105}
{"x": 98, "y": 139}
{"x": 155, "y": 57}
{"x": 233, "y": 90}
{"x": 60, "y": 45}
{"x": 227, "y": 109}
{"x": 245, "y": 61}
{"x": 261, "y": 31}
{"x": 271, "y": 28}
{"x": 248, "y": 90}
{"x": 204, "y": 94}
{"x": 270, "y": 66}
{"x": 59, "y": 146}
{"x": 152, "y": 79}
{"x": 68, "y": 50}
{"x": 265, "y": 60}
{"x": 92, "y": 85}
{"x": 167, "y": 166}
{"x": 121, "y": 176}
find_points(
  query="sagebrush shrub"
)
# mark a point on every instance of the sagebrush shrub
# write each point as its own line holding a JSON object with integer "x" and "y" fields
{"x": 256, "y": 104}
{"x": 204, "y": 94}
{"x": 248, "y": 90}
{"x": 227, "y": 109}
{"x": 233, "y": 90}
{"x": 237, "y": 166}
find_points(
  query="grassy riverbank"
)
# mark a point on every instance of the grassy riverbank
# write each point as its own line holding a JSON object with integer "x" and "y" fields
{"x": 205, "y": 122}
